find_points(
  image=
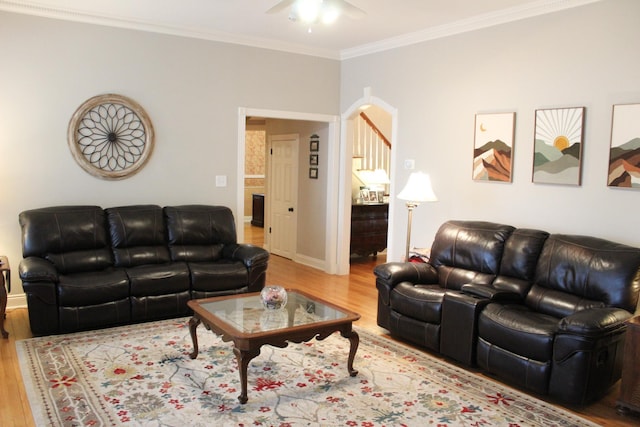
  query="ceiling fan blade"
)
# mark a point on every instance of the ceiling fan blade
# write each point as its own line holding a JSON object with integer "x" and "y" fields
{"x": 280, "y": 6}
{"x": 352, "y": 11}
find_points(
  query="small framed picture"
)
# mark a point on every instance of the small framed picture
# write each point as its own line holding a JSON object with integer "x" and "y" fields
{"x": 313, "y": 173}
{"x": 364, "y": 195}
{"x": 313, "y": 159}
{"x": 624, "y": 154}
{"x": 314, "y": 145}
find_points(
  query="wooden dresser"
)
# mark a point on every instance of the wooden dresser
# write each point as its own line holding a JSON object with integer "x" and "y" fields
{"x": 369, "y": 224}
{"x": 257, "y": 208}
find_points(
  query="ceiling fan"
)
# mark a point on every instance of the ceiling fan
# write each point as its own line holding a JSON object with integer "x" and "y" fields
{"x": 313, "y": 11}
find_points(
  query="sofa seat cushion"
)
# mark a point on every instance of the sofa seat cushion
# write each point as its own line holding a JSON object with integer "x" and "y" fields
{"x": 158, "y": 279}
{"x": 218, "y": 276}
{"x": 420, "y": 302}
{"x": 93, "y": 288}
{"x": 519, "y": 330}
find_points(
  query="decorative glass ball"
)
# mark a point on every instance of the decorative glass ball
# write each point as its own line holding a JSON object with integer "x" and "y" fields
{"x": 273, "y": 297}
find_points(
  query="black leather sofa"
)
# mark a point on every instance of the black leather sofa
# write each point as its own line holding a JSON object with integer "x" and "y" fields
{"x": 85, "y": 267}
{"x": 543, "y": 312}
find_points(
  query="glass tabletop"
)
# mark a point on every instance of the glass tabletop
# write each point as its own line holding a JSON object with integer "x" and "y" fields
{"x": 248, "y": 315}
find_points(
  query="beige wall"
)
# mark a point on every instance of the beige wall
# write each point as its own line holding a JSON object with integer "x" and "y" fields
{"x": 585, "y": 56}
{"x": 192, "y": 90}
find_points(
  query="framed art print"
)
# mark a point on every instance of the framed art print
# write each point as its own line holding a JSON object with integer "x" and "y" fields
{"x": 314, "y": 143}
{"x": 557, "y": 153}
{"x": 493, "y": 147}
{"x": 624, "y": 154}
{"x": 313, "y": 159}
{"x": 313, "y": 173}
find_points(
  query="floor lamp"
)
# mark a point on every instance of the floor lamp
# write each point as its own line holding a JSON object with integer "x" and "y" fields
{"x": 417, "y": 190}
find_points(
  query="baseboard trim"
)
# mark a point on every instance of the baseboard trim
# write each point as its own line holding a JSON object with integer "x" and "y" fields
{"x": 17, "y": 301}
{"x": 310, "y": 262}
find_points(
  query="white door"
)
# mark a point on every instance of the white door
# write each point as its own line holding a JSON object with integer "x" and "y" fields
{"x": 283, "y": 194}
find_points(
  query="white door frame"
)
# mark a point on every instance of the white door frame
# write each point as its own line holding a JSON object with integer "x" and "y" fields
{"x": 334, "y": 190}
{"x": 346, "y": 165}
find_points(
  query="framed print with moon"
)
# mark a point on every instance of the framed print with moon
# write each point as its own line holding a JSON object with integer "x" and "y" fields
{"x": 557, "y": 153}
{"x": 110, "y": 136}
{"x": 624, "y": 155}
{"x": 493, "y": 147}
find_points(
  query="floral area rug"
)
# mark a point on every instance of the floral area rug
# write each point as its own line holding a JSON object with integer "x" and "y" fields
{"x": 142, "y": 375}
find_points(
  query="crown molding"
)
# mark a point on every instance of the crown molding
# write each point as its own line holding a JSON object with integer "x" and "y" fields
{"x": 535, "y": 8}
{"x": 529, "y": 10}
{"x": 28, "y": 8}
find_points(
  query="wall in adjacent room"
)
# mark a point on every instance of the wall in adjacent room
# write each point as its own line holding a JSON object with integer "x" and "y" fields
{"x": 191, "y": 89}
{"x": 581, "y": 57}
{"x": 312, "y": 193}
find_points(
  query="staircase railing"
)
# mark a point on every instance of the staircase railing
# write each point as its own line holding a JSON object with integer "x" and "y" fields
{"x": 370, "y": 146}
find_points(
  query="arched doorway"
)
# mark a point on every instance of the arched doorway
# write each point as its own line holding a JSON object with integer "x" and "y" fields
{"x": 347, "y": 137}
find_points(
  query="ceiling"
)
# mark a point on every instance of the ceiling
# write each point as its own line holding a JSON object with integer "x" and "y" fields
{"x": 387, "y": 23}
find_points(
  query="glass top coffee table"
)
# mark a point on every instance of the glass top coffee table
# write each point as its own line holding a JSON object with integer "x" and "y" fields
{"x": 243, "y": 320}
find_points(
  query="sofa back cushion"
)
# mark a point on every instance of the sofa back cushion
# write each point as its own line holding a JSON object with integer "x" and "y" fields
{"x": 73, "y": 238}
{"x": 519, "y": 261}
{"x": 468, "y": 252}
{"x": 199, "y": 233}
{"x": 138, "y": 235}
{"x": 575, "y": 272}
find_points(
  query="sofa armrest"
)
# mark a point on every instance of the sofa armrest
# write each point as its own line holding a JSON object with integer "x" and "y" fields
{"x": 249, "y": 255}
{"x": 594, "y": 321}
{"x": 393, "y": 273}
{"x": 388, "y": 275}
{"x": 35, "y": 269}
{"x": 254, "y": 258}
{"x": 489, "y": 292}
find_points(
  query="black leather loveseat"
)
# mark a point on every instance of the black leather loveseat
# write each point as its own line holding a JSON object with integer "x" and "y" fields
{"x": 85, "y": 267}
{"x": 544, "y": 312}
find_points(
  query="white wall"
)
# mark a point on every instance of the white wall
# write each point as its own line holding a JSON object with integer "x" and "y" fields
{"x": 586, "y": 56}
{"x": 190, "y": 88}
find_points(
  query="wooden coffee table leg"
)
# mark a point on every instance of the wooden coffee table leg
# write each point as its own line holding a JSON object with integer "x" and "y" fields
{"x": 193, "y": 324}
{"x": 354, "y": 340}
{"x": 244, "y": 357}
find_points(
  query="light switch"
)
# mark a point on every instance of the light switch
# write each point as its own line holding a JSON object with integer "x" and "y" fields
{"x": 409, "y": 164}
{"x": 221, "y": 180}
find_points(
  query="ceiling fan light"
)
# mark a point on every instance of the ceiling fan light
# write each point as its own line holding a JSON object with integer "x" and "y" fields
{"x": 307, "y": 11}
{"x": 330, "y": 14}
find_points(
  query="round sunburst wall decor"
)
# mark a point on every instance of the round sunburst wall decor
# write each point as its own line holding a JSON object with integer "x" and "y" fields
{"x": 110, "y": 136}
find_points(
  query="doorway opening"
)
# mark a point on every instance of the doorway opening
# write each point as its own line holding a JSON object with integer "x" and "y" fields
{"x": 318, "y": 197}
{"x": 350, "y": 186}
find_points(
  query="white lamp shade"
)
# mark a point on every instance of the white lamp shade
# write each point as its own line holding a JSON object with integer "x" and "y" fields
{"x": 380, "y": 176}
{"x": 373, "y": 177}
{"x": 418, "y": 189}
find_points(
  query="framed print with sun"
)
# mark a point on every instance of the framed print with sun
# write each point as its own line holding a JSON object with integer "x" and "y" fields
{"x": 557, "y": 153}
{"x": 493, "y": 147}
{"x": 624, "y": 155}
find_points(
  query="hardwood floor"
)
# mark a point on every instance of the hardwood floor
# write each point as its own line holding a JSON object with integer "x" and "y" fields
{"x": 355, "y": 291}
